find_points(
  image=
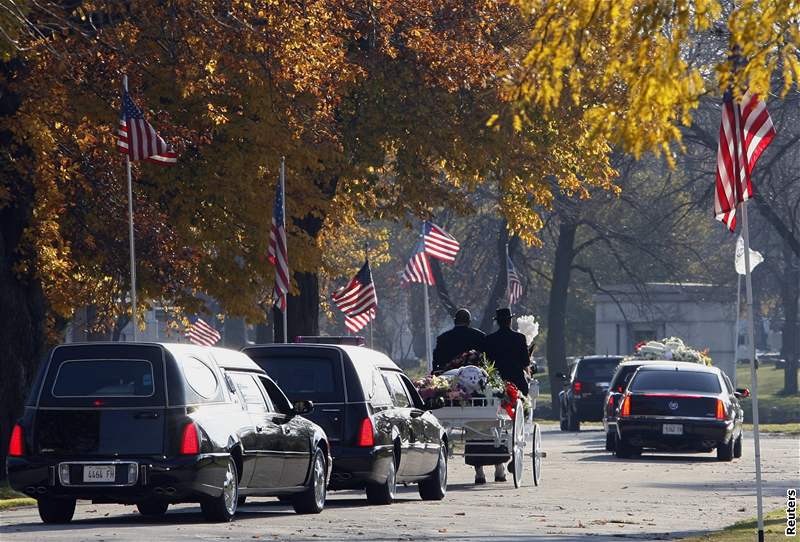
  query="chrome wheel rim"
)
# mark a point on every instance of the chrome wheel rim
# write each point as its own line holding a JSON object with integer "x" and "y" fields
{"x": 319, "y": 481}
{"x": 442, "y": 471}
{"x": 391, "y": 480}
{"x": 229, "y": 490}
{"x": 518, "y": 443}
{"x": 537, "y": 455}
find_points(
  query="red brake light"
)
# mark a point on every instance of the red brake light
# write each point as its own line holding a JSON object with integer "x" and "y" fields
{"x": 610, "y": 402}
{"x": 619, "y": 389}
{"x": 625, "y": 410}
{"x": 720, "y": 410}
{"x": 16, "y": 447}
{"x": 190, "y": 443}
{"x": 576, "y": 387}
{"x": 366, "y": 436}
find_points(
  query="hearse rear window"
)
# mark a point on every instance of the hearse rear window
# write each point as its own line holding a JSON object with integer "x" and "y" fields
{"x": 597, "y": 370}
{"x": 316, "y": 379}
{"x": 675, "y": 381}
{"x": 104, "y": 378}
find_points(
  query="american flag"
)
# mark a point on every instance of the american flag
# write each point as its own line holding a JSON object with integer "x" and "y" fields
{"x": 438, "y": 243}
{"x": 202, "y": 333}
{"x": 138, "y": 139}
{"x": 514, "y": 284}
{"x": 357, "y": 299}
{"x": 277, "y": 250}
{"x": 418, "y": 268}
{"x": 744, "y": 133}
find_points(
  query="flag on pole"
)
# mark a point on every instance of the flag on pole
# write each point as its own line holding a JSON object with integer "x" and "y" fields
{"x": 438, "y": 243}
{"x": 357, "y": 299}
{"x": 138, "y": 139}
{"x": 418, "y": 268}
{"x": 745, "y": 131}
{"x": 277, "y": 253}
{"x": 514, "y": 284}
{"x": 755, "y": 257}
{"x": 202, "y": 333}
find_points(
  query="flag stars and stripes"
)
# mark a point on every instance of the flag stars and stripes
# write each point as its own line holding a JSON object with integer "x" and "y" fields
{"x": 514, "y": 283}
{"x": 439, "y": 244}
{"x": 357, "y": 299}
{"x": 202, "y": 333}
{"x": 277, "y": 252}
{"x": 418, "y": 268}
{"x": 138, "y": 139}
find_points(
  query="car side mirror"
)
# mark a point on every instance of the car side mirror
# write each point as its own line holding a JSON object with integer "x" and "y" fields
{"x": 742, "y": 393}
{"x": 303, "y": 407}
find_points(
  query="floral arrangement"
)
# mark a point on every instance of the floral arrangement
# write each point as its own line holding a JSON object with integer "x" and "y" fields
{"x": 672, "y": 348}
{"x": 528, "y": 326}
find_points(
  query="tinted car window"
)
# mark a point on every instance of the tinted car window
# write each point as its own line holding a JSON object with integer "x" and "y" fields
{"x": 396, "y": 388}
{"x": 380, "y": 393}
{"x": 251, "y": 393}
{"x": 675, "y": 381}
{"x": 200, "y": 377}
{"x": 315, "y": 379}
{"x": 623, "y": 376}
{"x": 597, "y": 370}
{"x": 104, "y": 378}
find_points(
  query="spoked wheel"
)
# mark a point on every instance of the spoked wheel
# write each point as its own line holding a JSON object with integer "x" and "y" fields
{"x": 537, "y": 455}
{"x": 518, "y": 442}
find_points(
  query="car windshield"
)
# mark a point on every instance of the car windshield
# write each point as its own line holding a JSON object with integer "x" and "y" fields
{"x": 597, "y": 370}
{"x": 694, "y": 381}
{"x": 104, "y": 378}
{"x": 306, "y": 378}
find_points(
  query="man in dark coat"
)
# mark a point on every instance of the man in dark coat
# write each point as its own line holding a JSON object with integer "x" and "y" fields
{"x": 453, "y": 343}
{"x": 508, "y": 349}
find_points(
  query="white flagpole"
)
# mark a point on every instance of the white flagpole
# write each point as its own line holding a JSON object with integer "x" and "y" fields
{"x": 753, "y": 371}
{"x": 283, "y": 203}
{"x": 428, "y": 341}
{"x": 131, "y": 241}
{"x": 736, "y": 329}
{"x": 508, "y": 286}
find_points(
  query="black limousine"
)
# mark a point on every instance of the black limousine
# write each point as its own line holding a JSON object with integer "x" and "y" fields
{"x": 679, "y": 406}
{"x": 381, "y": 434}
{"x": 157, "y": 424}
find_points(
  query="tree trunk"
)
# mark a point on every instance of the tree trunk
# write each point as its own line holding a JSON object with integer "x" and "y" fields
{"x": 497, "y": 299}
{"x": 557, "y": 309}
{"x": 790, "y": 294}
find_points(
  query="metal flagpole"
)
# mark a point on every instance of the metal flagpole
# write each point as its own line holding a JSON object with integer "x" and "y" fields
{"x": 131, "y": 241}
{"x": 428, "y": 342}
{"x": 508, "y": 289}
{"x": 753, "y": 371}
{"x": 283, "y": 213}
{"x": 736, "y": 329}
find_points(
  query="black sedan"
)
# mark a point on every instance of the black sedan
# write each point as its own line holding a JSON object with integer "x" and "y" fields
{"x": 381, "y": 433}
{"x": 676, "y": 406}
{"x": 157, "y": 424}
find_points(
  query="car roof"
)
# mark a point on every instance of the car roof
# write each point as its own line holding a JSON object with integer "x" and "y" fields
{"x": 665, "y": 365}
{"x": 359, "y": 355}
{"x": 599, "y": 357}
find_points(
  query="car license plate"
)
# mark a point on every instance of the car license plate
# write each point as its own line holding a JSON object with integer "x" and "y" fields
{"x": 672, "y": 429}
{"x": 99, "y": 473}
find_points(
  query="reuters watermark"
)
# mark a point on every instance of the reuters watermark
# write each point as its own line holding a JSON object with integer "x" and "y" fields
{"x": 791, "y": 512}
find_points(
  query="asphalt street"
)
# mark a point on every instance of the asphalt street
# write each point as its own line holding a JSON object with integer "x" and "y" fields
{"x": 585, "y": 492}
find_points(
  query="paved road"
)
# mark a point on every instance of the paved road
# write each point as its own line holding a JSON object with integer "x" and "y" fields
{"x": 584, "y": 492}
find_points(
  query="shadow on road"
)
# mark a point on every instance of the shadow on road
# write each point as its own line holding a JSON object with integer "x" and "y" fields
{"x": 647, "y": 458}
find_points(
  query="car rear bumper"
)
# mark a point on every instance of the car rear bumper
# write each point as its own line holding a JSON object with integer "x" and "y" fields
{"x": 353, "y": 466}
{"x": 698, "y": 435}
{"x": 181, "y": 479}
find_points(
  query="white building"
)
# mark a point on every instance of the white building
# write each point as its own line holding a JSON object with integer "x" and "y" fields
{"x": 703, "y": 315}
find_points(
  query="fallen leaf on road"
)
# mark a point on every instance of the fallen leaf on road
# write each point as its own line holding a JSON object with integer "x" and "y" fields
{"x": 464, "y": 513}
{"x": 442, "y": 530}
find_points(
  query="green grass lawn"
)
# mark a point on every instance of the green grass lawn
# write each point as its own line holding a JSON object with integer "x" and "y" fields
{"x": 10, "y": 498}
{"x": 773, "y": 407}
{"x": 746, "y": 531}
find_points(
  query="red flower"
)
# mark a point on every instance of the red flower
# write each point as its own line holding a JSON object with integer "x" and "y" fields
{"x": 510, "y": 399}
{"x": 638, "y": 345}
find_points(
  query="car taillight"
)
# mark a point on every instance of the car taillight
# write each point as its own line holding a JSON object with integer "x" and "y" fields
{"x": 190, "y": 443}
{"x": 16, "y": 446}
{"x": 610, "y": 403}
{"x": 625, "y": 409}
{"x": 366, "y": 436}
{"x": 577, "y": 387}
{"x": 720, "y": 410}
{"x": 619, "y": 389}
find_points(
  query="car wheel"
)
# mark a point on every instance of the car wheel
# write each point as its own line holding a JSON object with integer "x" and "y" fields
{"x": 562, "y": 419}
{"x": 56, "y": 510}
{"x": 435, "y": 487}
{"x": 152, "y": 508}
{"x": 384, "y": 493}
{"x": 623, "y": 450}
{"x": 223, "y": 508}
{"x": 737, "y": 447}
{"x": 611, "y": 441}
{"x": 312, "y": 500}
{"x": 725, "y": 450}
{"x": 572, "y": 422}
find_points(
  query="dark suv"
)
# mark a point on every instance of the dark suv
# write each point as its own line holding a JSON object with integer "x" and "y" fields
{"x": 157, "y": 424}
{"x": 584, "y": 390}
{"x": 380, "y": 431}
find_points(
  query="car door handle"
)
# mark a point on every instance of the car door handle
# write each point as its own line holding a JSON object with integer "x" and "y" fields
{"x": 284, "y": 430}
{"x": 259, "y": 428}
{"x": 149, "y": 415}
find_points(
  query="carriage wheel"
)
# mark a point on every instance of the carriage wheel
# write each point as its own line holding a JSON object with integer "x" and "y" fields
{"x": 518, "y": 443}
{"x": 536, "y": 454}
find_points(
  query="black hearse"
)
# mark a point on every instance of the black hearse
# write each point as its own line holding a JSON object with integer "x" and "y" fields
{"x": 156, "y": 424}
{"x": 379, "y": 430}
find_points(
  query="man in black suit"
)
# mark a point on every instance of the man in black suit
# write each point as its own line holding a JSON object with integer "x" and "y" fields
{"x": 508, "y": 349}
{"x": 453, "y": 343}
